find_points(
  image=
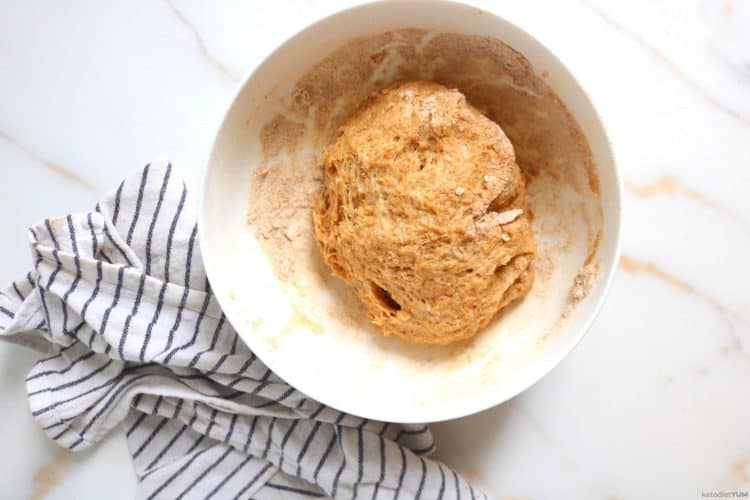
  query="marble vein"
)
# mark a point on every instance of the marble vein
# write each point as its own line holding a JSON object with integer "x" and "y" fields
{"x": 49, "y": 475}
{"x": 202, "y": 44}
{"x": 725, "y": 14}
{"x": 669, "y": 185}
{"x": 52, "y": 166}
{"x": 566, "y": 461}
{"x": 740, "y": 470}
{"x": 672, "y": 67}
{"x": 635, "y": 266}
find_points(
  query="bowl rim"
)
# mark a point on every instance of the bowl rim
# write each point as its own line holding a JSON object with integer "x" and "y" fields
{"x": 478, "y": 404}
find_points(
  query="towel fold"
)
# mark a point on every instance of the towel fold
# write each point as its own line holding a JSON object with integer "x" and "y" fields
{"x": 120, "y": 304}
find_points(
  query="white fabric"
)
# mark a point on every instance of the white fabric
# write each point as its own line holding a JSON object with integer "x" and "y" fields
{"x": 119, "y": 301}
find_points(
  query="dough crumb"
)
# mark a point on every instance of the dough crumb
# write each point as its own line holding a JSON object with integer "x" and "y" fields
{"x": 508, "y": 216}
{"x": 582, "y": 286}
{"x": 584, "y": 281}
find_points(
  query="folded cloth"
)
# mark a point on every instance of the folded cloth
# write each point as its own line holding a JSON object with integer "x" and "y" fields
{"x": 119, "y": 301}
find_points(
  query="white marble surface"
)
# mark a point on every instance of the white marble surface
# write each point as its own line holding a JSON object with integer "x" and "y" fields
{"x": 654, "y": 403}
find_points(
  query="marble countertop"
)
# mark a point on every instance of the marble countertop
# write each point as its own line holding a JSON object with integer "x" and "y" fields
{"x": 654, "y": 403}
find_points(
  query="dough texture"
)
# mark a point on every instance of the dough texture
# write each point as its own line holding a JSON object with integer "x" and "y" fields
{"x": 423, "y": 211}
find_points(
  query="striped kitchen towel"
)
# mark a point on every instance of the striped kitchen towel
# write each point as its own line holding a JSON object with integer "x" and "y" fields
{"x": 119, "y": 303}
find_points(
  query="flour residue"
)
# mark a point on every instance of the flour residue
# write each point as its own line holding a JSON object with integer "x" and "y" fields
{"x": 281, "y": 135}
{"x": 280, "y": 210}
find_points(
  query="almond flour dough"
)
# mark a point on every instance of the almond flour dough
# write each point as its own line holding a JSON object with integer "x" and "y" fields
{"x": 423, "y": 211}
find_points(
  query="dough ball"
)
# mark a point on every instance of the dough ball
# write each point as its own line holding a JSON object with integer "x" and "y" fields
{"x": 423, "y": 211}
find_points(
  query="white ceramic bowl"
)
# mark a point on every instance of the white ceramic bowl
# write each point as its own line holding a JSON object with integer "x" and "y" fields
{"x": 347, "y": 365}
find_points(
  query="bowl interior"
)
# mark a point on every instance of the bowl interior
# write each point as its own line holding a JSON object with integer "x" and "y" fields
{"x": 309, "y": 331}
